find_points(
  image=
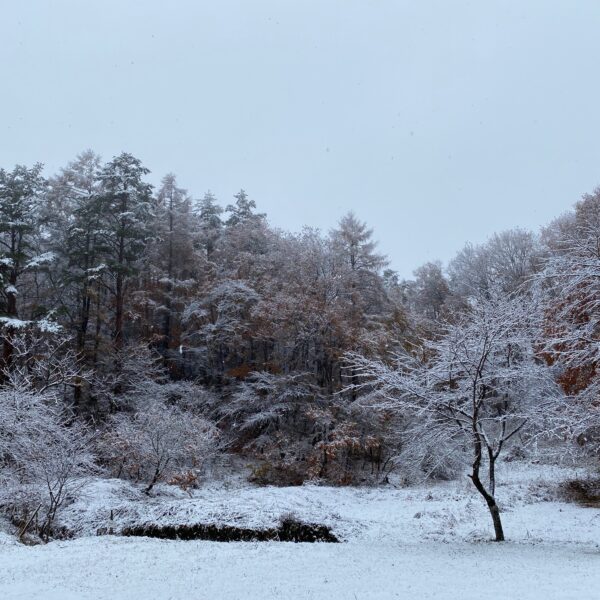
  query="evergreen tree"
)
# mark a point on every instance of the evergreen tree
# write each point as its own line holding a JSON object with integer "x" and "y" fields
{"x": 126, "y": 207}
{"x": 74, "y": 213}
{"x": 20, "y": 195}
{"x": 174, "y": 260}
{"x": 20, "y": 192}
{"x": 211, "y": 224}
{"x": 242, "y": 210}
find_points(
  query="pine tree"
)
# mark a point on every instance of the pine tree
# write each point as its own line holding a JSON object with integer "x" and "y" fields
{"x": 126, "y": 206}
{"x": 211, "y": 225}
{"x": 20, "y": 194}
{"x": 74, "y": 214}
{"x": 243, "y": 210}
{"x": 174, "y": 260}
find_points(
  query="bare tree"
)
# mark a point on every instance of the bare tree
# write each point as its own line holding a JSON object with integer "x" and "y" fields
{"x": 479, "y": 383}
{"x": 506, "y": 261}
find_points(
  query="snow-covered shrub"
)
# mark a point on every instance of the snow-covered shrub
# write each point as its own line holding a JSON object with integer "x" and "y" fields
{"x": 441, "y": 461}
{"x": 44, "y": 458}
{"x": 40, "y": 360}
{"x": 157, "y": 442}
{"x": 129, "y": 376}
{"x": 142, "y": 375}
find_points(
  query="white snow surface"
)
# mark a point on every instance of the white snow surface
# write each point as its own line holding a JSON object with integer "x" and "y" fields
{"x": 41, "y": 259}
{"x": 45, "y": 325}
{"x": 13, "y": 323}
{"x": 429, "y": 541}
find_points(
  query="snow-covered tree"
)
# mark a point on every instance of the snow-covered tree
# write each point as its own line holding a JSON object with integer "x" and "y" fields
{"x": 430, "y": 291}
{"x": 20, "y": 198}
{"x": 477, "y": 385}
{"x": 44, "y": 457}
{"x": 507, "y": 261}
{"x": 211, "y": 225}
{"x": 173, "y": 269}
{"x": 127, "y": 213}
{"x": 570, "y": 283}
{"x": 43, "y": 360}
{"x": 221, "y": 325}
{"x": 242, "y": 211}
{"x": 74, "y": 218}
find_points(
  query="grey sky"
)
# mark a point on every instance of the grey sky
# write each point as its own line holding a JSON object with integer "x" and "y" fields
{"x": 436, "y": 122}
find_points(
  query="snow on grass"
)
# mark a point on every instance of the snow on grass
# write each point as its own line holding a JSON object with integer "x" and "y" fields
{"x": 428, "y": 541}
{"x": 451, "y": 511}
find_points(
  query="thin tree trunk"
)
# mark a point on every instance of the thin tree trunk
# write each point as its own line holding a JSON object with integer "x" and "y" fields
{"x": 98, "y": 328}
{"x": 492, "y": 470}
{"x": 119, "y": 301}
{"x": 487, "y": 496}
{"x": 11, "y": 312}
{"x": 169, "y": 287}
{"x": 153, "y": 482}
{"x": 120, "y": 287}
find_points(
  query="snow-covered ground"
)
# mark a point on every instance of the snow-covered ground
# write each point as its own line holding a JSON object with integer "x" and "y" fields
{"x": 430, "y": 541}
{"x": 115, "y": 568}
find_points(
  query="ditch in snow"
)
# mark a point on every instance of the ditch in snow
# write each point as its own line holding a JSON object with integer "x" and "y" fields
{"x": 289, "y": 530}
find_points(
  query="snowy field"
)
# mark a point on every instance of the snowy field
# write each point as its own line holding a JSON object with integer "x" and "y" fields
{"x": 109, "y": 568}
{"x": 430, "y": 541}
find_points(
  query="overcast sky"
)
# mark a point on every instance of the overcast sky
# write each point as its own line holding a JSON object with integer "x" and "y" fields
{"x": 436, "y": 122}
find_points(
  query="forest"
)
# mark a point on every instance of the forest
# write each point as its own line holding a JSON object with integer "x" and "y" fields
{"x": 147, "y": 333}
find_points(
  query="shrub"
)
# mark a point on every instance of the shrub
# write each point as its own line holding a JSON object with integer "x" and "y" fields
{"x": 156, "y": 443}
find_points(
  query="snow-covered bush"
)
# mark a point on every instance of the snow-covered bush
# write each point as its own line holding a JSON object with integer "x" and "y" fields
{"x": 44, "y": 458}
{"x": 434, "y": 458}
{"x": 156, "y": 443}
{"x": 41, "y": 360}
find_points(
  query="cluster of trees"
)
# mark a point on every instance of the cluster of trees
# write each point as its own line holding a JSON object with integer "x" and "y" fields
{"x": 141, "y": 329}
{"x": 507, "y": 351}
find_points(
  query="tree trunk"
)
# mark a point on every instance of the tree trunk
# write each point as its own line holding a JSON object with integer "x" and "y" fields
{"x": 11, "y": 312}
{"x": 119, "y": 301}
{"x": 487, "y": 496}
{"x": 154, "y": 480}
{"x": 492, "y": 471}
{"x": 84, "y": 318}
{"x": 169, "y": 287}
{"x": 98, "y": 328}
{"x": 119, "y": 284}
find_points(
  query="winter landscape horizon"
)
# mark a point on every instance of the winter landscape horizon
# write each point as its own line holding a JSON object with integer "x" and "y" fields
{"x": 299, "y": 300}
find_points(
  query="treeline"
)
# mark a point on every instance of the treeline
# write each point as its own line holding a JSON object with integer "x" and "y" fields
{"x": 136, "y": 284}
{"x": 217, "y": 293}
{"x": 123, "y": 300}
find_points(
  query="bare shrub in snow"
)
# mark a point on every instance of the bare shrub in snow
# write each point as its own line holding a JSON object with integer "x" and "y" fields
{"x": 41, "y": 361}
{"x": 156, "y": 443}
{"x": 44, "y": 458}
